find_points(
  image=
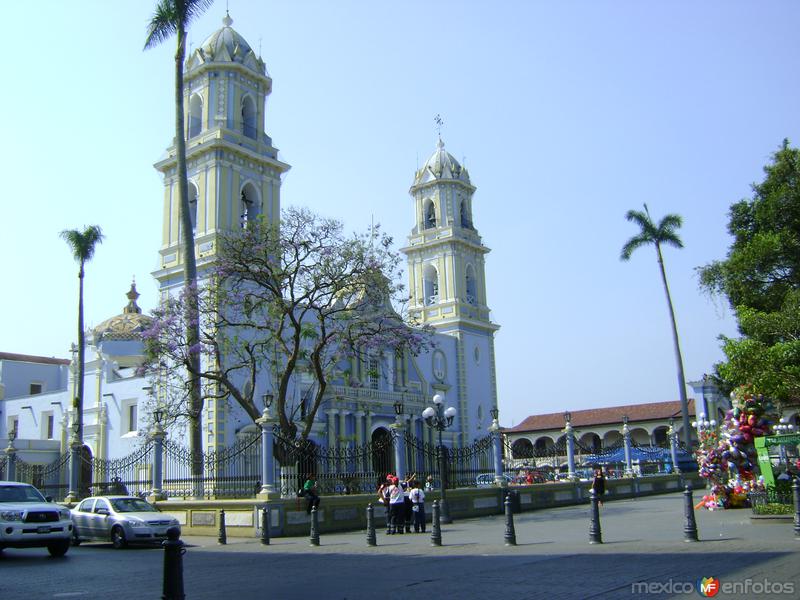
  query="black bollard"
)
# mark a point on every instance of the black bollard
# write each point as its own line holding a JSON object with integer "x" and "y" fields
{"x": 796, "y": 494}
{"x": 436, "y": 529}
{"x": 511, "y": 535}
{"x": 314, "y": 539}
{"x": 223, "y": 536}
{"x": 265, "y": 526}
{"x": 371, "y": 539}
{"x": 690, "y": 527}
{"x": 173, "y": 566}
{"x": 595, "y": 532}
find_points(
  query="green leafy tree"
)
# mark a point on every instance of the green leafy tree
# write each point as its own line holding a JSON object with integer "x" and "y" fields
{"x": 173, "y": 17}
{"x": 82, "y": 244}
{"x": 657, "y": 235}
{"x": 761, "y": 279}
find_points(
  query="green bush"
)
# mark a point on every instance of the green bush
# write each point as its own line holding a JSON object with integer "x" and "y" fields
{"x": 773, "y": 509}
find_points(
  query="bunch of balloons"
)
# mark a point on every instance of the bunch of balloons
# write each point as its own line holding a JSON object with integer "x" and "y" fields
{"x": 727, "y": 459}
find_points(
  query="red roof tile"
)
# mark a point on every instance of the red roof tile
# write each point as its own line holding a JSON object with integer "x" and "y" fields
{"x": 603, "y": 416}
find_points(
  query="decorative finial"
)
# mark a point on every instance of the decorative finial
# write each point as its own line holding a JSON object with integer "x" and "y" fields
{"x": 133, "y": 295}
{"x": 439, "y": 122}
{"x": 227, "y": 21}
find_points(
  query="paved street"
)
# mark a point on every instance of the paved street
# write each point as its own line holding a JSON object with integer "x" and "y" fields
{"x": 643, "y": 543}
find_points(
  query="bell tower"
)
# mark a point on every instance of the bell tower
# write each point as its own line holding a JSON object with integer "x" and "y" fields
{"x": 233, "y": 169}
{"x": 445, "y": 254}
{"x": 447, "y": 283}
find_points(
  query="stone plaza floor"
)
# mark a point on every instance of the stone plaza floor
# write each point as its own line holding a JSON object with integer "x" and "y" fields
{"x": 643, "y": 556}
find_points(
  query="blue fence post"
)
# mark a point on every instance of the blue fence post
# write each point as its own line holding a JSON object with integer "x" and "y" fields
{"x": 626, "y": 438}
{"x": 497, "y": 453}
{"x": 570, "y": 435}
{"x": 266, "y": 422}
{"x": 399, "y": 443}
{"x": 11, "y": 460}
{"x": 75, "y": 447}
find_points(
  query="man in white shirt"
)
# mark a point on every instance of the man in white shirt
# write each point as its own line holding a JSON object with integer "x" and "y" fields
{"x": 417, "y": 497}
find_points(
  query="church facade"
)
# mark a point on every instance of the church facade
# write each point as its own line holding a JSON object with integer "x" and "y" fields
{"x": 234, "y": 176}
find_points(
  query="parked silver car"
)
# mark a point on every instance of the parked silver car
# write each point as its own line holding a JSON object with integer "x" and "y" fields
{"x": 28, "y": 520}
{"x": 122, "y": 520}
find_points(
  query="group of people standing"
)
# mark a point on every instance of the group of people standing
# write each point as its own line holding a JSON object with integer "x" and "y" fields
{"x": 405, "y": 504}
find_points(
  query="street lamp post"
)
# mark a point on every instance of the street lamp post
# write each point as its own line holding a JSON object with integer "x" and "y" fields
{"x": 399, "y": 441}
{"x": 158, "y": 434}
{"x": 440, "y": 418}
{"x": 626, "y": 439}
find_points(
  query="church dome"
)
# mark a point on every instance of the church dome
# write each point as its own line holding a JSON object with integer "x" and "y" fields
{"x": 226, "y": 45}
{"x": 126, "y": 326}
{"x": 441, "y": 165}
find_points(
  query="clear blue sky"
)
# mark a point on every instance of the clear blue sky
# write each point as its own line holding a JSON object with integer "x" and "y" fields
{"x": 568, "y": 114}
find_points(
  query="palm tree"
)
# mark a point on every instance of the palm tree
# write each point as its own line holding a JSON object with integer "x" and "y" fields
{"x": 172, "y": 17}
{"x": 663, "y": 233}
{"x": 82, "y": 244}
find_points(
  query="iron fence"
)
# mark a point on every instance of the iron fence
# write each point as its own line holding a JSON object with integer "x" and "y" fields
{"x": 51, "y": 479}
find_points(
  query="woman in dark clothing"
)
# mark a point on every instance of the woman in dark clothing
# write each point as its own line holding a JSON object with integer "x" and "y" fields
{"x": 599, "y": 484}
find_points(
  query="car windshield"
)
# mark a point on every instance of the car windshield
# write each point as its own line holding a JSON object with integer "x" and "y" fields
{"x": 132, "y": 505}
{"x": 20, "y": 493}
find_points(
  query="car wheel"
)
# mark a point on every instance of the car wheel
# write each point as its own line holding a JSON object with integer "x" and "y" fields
{"x": 58, "y": 548}
{"x": 76, "y": 541}
{"x": 118, "y": 538}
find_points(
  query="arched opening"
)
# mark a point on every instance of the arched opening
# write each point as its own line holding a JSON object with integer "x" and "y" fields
{"x": 429, "y": 215}
{"x": 249, "y": 117}
{"x": 612, "y": 438}
{"x": 382, "y": 462}
{"x": 544, "y": 445}
{"x": 193, "y": 195}
{"x": 522, "y": 448}
{"x": 430, "y": 285}
{"x": 466, "y": 218}
{"x": 660, "y": 436}
{"x": 249, "y": 204}
{"x": 472, "y": 293}
{"x": 590, "y": 442}
{"x": 640, "y": 437}
{"x": 195, "y": 115}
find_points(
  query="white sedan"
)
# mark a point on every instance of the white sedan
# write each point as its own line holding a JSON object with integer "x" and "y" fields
{"x": 122, "y": 520}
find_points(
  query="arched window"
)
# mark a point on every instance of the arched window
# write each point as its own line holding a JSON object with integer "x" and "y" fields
{"x": 249, "y": 204}
{"x": 429, "y": 215}
{"x": 249, "y": 117}
{"x": 195, "y": 115}
{"x": 472, "y": 293}
{"x": 193, "y": 205}
{"x": 430, "y": 285}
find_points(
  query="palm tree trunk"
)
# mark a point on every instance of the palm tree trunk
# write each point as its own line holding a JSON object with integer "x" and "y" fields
{"x": 678, "y": 357}
{"x": 78, "y": 401}
{"x": 190, "y": 269}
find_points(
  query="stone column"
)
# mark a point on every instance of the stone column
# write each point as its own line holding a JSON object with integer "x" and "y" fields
{"x": 570, "y": 437}
{"x": 399, "y": 443}
{"x": 342, "y": 441}
{"x": 157, "y": 436}
{"x": 672, "y": 436}
{"x": 358, "y": 424}
{"x": 626, "y": 438}
{"x": 75, "y": 447}
{"x": 268, "y": 489}
{"x": 497, "y": 453}
{"x": 11, "y": 460}
{"x": 331, "y": 435}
